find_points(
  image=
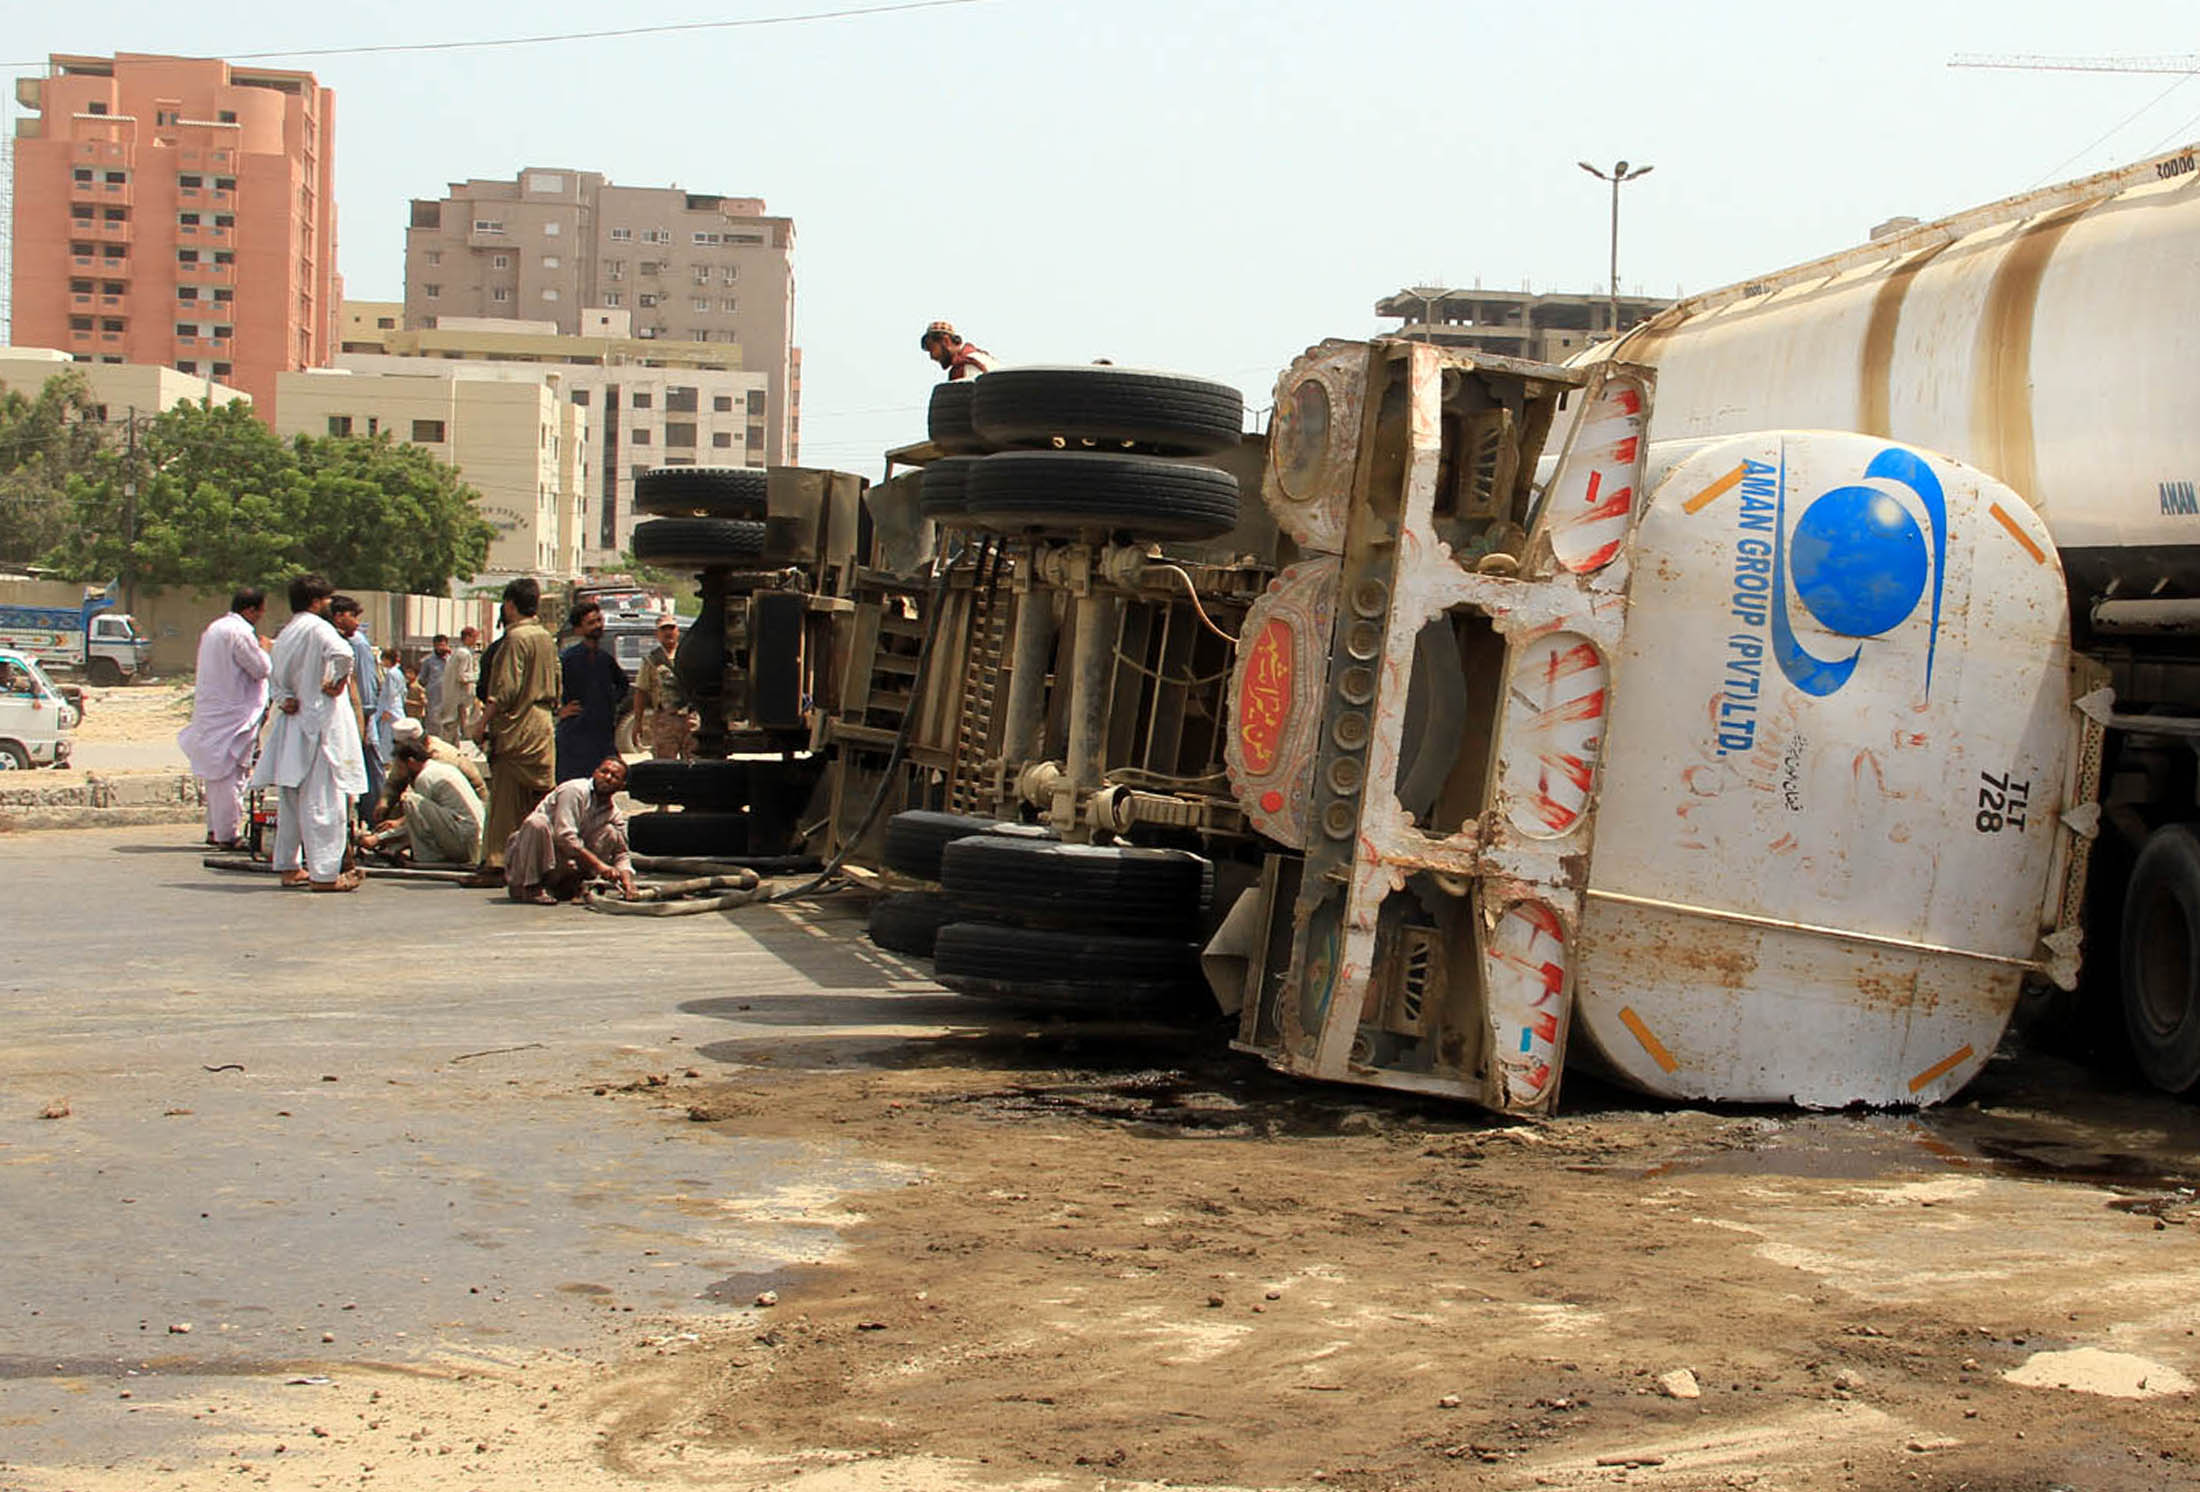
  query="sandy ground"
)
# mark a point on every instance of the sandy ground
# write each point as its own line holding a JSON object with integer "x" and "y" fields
{"x": 131, "y": 728}
{"x": 1130, "y": 1258}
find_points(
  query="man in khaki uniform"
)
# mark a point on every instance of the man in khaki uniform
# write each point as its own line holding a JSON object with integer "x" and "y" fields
{"x": 661, "y": 714}
{"x": 518, "y": 731}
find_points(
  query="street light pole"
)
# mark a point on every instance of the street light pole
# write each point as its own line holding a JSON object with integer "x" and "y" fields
{"x": 1621, "y": 174}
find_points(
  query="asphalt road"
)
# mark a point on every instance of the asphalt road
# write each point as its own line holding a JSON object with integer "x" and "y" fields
{"x": 368, "y": 1128}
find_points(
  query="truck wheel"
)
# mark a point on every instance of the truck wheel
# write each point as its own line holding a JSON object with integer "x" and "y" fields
{"x": 1103, "y": 888}
{"x": 13, "y": 758}
{"x": 701, "y": 492}
{"x": 697, "y": 543}
{"x": 2160, "y": 955}
{"x": 909, "y": 921}
{"x": 1069, "y": 972}
{"x": 1069, "y": 491}
{"x": 916, "y": 839}
{"x": 1107, "y": 408}
{"x": 717, "y": 785}
{"x": 945, "y": 486}
{"x": 688, "y": 835}
{"x": 947, "y": 419}
{"x": 104, "y": 672}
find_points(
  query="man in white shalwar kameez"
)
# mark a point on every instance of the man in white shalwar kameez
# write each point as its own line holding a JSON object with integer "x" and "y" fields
{"x": 227, "y": 701}
{"x": 312, "y": 752}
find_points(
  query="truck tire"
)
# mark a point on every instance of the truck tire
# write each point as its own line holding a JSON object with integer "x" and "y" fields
{"x": 104, "y": 672}
{"x": 13, "y": 758}
{"x": 1107, "y": 408}
{"x": 701, "y": 492}
{"x": 688, "y": 835}
{"x": 1069, "y": 491}
{"x": 697, "y": 543}
{"x": 945, "y": 486}
{"x": 909, "y": 921}
{"x": 2160, "y": 957}
{"x": 947, "y": 419}
{"x": 1069, "y": 972}
{"x": 720, "y": 786}
{"x": 916, "y": 839}
{"x": 1100, "y": 888}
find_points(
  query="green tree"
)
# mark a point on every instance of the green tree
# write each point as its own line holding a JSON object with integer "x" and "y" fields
{"x": 219, "y": 499}
{"x": 44, "y": 440}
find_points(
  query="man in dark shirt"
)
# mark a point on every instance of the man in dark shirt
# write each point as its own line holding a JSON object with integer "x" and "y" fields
{"x": 595, "y": 686}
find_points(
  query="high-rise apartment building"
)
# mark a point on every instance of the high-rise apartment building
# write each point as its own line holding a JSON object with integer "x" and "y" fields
{"x": 178, "y": 211}
{"x": 555, "y": 245}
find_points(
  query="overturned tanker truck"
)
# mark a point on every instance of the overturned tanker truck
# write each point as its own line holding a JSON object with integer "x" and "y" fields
{"x": 2046, "y": 340}
{"x": 1751, "y": 767}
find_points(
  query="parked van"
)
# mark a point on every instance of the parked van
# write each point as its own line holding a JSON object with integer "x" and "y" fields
{"x": 35, "y": 720}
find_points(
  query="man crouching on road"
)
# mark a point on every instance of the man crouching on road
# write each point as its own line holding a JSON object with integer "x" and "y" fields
{"x": 575, "y": 835}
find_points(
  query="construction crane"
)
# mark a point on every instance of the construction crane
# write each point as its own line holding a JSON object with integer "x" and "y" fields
{"x": 2188, "y": 62}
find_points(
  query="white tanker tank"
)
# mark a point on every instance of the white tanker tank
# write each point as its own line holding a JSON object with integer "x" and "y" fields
{"x": 2051, "y": 338}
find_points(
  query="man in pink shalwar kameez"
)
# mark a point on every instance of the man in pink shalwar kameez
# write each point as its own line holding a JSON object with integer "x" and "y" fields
{"x": 226, "y": 706}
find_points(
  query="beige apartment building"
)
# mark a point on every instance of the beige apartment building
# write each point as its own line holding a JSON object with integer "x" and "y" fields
{"x": 518, "y": 443}
{"x": 1549, "y": 327}
{"x": 649, "y": 402}
{"x": 562, "y": 245}
{"x": 119, "y": 389}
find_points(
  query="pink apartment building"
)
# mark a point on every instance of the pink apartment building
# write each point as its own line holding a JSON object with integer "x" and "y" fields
{"x": 177, "y": 211}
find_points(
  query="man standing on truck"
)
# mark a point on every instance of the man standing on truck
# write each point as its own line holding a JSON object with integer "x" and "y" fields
{"x": 312, "y": 753}
{"x": 522, "y": 691}
{"x": 945, "y": 346}
{"x": 227, "y": 701}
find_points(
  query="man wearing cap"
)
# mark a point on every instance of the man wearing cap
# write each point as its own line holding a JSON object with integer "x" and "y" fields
{"x": 434, "y": 813}
{"x": 945, "y": 346}
{"x": 661, "y": 714}
{"x": 439, "y": 750}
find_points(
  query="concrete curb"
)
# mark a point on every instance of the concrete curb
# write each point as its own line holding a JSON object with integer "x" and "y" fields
{"x": 20, "y": 819}
{"x": 99, "y": 800}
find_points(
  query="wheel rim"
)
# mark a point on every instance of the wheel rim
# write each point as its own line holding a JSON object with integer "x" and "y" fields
{"x": 2165, "y": 964}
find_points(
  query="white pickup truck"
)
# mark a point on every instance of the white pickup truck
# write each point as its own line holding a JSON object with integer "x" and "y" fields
{"x": 35, "y": 720}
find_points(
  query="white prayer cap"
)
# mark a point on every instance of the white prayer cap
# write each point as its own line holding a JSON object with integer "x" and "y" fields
{"x": 407, "y": 729}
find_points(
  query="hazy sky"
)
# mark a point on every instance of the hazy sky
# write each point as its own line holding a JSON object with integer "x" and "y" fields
{"x": 1202, "y": 186}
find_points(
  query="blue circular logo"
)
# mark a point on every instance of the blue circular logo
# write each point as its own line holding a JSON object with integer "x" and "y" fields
{"x": 1859, "y": 561}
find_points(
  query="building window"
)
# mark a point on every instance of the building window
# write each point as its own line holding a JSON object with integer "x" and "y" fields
{"x": 386, "y": 323}
{"x": 652, "y": 266}
{"x": 222, "y": 294}
{"x": 339, "y": 424}
{"x": 223, "y": 370}
{"x": 187, "y": 367}
{"x": 225, "y": 220}
{"x": 187, "y": 182}
{"x": 706, "y": 238}
{"x": 722, "y": 439}
{"x": 110, "y": 323}
{"x": 756, "y": 401}
{"x": 433, "y": 257}
{"x": 432, "y": 292}
{"x": 580, "y": 397}
{"x": 487, "y": 225}
{"x": 163, "y": 117}
{"x": 549, "y": 261}
{"x": 80, "y": 287}
{"x": 702, "y": 303}
{"x": 84, "y": 324}
{"x": 225, "y": 256}
{"x": 187, "y": 256}
{"x": 612, "y": 297}
{"x": 187, "y": 219}
{"x": 427, "y": 432}
{"x": 722, "y": 403}
{"x": 639, "y": 437}
{"x": 112, "y": 287}
{"x": 622, "y": 235}
{"x": 552, "y": 229}
{"x": 645, "y": 300}
{"x": 680, "y": 434}
{"x": 116, "y": 178}
{"x": 614, "y": 269}
{"x": 227, "y": 116}
{"x": 187, "y": 292}
{"x": 702, "y": 274}
{"x": 641, "y": 400}
{"x": 224, "y": 333}
{"x": 500, "y": 261}
{"x": 82, "y": 174}
{"x": 183, "y": 328}
{"x": 112, "y": 251}
{"x": 117, "y": 214}
{"x": 680, "y": 400}
{"x": 730, "y": 305}
{"x": 225, "y": 183}
{"x": 95, "y": 107}
{"x": 549, "y": 293}
{"x": 501, "y": 293}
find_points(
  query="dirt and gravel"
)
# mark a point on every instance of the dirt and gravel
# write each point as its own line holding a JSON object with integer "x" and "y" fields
{"x": 1121, "y": 1258}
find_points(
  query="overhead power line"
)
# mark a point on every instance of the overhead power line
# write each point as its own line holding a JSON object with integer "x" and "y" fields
{"x": 2187, "y": 62}
{"x": 799, "y": 18}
